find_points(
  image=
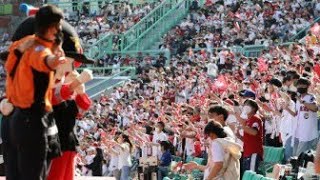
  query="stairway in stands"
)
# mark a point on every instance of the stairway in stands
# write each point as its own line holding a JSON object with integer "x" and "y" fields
{"x": 100, "y": 84}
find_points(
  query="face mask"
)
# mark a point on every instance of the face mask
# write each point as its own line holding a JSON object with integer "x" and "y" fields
{"x": 302, "y": 90}
{"x": 267, "y": 96}
{"x": 245, "y": 111}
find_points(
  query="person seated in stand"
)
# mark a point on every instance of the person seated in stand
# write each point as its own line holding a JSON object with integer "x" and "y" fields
{"x": 165, "y": 160}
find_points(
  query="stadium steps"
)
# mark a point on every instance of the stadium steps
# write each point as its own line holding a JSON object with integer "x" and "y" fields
{"x": 100, "y": 84}
{"x": 150, "y": 40}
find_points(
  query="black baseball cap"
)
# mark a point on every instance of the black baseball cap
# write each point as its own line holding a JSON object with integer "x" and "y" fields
{"x": 48, "y": 15}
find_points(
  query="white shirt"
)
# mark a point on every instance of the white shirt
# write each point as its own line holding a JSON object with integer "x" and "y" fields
{"x": 288, "y": 123}
{"x": 216, "y": 155}
{"x": 113, "y": 164}
{"x": 157, "y": 137}
{"x": 307, "y": 124}
{"x": 124, "y": 156}
{"x": 189, "y": 146}
{"x": 212, "y": 69}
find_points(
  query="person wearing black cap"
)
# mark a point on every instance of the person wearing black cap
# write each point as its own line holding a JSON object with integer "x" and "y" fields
{"x": 66, "y": 108}
{"x": 30, "y": 65}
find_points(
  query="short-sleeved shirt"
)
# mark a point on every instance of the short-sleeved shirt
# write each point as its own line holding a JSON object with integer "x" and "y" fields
{"x": 216, "y": 155}
{"x": 31, "y": 73}
{"x": 306, "y": 120}
{"x": 253, "y": 143}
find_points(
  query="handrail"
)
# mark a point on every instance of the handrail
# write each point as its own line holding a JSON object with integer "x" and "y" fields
{"x": 108, "y": 39}
{"x": 146, "y": 31}
{"x": 304, "y": 30}
{"x": 179, "y": 7}
{"x": 145, "y": 18}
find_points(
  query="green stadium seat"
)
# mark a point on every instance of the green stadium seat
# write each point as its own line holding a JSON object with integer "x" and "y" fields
{"x": 189, "y": 158}
{"x": 273, "y": 154}
{"x": 176, "y": 158}
{"x": 248, "y": 175}
{"x": 199, "y": 160}
{"x": 258, "y": 177}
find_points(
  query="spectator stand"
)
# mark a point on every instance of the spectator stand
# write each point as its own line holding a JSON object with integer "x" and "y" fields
{"x": 145, "y": 33}
{"x": 106, "y": 78}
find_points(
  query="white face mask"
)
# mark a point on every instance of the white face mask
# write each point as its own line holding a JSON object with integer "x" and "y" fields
{"x": 267, "y": 96}
{"x": 245, "y": 111}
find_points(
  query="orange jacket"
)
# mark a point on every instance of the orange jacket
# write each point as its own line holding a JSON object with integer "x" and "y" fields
{"x": 22, "y": 89}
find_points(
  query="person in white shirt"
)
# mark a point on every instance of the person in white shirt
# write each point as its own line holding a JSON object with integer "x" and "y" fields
{"x": 158, "y": 136}
{"x": 212, "y": 69}
{"x": 113, "y": 168}
{"x": 124, "y": 155}
{"x": 306, "y": 135}
{"x": 222, "y": 163}
{"x": 288, "y": 125}
{"x": 220, "y": 115}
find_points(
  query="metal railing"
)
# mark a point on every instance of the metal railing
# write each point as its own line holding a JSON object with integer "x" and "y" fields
{"x": 143, "y": 34}
{"x": 6, "y": 9}
{"x": 111, "y": 72}
{"x": 304, "y": 31}
{"x": 154, "y": 25}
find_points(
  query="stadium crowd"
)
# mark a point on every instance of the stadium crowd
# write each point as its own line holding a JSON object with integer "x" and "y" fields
{"x": 212, "y": 105}
{"x": 238, "y": 23}
{"x": 270, "y": 100}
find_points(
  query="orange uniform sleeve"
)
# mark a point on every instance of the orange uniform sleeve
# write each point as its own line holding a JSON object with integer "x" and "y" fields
{"x": 38, "y": 58}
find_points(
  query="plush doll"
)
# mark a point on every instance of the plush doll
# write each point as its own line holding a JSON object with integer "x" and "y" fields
{"x": 69, "y": 102}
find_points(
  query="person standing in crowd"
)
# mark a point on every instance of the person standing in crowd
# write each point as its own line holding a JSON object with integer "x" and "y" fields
{"x": 29, "y": 82}
{"x": 224, "y": 155}
{"x": 158, "y": 136}
{"x": 306, "y": 114}
{"x": 124, "y": 164}
{"x": 252, "y": 135}
{"x": 272, "y": 122}
{"x": 165, "y": 160}
{"x": 220, "y": 115}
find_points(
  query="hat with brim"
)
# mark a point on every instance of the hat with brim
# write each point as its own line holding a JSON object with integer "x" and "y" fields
{"x": 71, "y": 42}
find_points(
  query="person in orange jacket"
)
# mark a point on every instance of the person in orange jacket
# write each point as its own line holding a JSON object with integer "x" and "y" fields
{"x": 69, "y": 100}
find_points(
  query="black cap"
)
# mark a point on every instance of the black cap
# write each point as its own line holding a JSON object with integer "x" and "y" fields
{"x": 276, "y": 82}
{"x": 47, "y": 15}
{"x": 71, "y": 43}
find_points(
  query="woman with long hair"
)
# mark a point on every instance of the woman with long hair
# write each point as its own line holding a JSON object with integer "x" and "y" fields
{"x": 125, "y": 149}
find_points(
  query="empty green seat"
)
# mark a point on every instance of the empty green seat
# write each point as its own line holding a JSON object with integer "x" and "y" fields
{"x": 258, "y": 177}
{"x": 273, "y": 154}
{"x": 248, "y": 175}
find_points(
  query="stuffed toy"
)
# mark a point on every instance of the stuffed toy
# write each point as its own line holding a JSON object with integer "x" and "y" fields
{"x": 70, "y": 100}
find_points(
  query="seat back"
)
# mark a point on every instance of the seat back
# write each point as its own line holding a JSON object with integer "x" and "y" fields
{"x": 273, "y": 154}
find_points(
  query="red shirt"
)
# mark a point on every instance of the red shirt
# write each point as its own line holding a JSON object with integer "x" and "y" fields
{"x": 253, "y": 144}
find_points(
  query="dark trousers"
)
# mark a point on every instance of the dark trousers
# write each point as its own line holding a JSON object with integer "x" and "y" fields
{"x": 275, "y": 142}
{"x": 251, "y": 163}
{"x": 25, "y": 145}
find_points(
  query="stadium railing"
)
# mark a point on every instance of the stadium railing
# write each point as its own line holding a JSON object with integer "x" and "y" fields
{"x": 304, "y": 31}
{"x": 107, "y": 71}
{"x": 154, "y": 25}
{"x": 6, "y": 9}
